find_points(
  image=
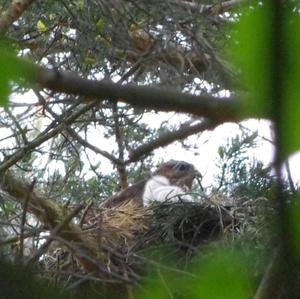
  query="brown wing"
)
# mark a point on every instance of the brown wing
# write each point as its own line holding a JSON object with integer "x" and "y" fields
{"x": 134, "y": 193}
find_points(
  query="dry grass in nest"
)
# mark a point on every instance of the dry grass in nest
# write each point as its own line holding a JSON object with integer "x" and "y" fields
{"x": 118, "y": 225}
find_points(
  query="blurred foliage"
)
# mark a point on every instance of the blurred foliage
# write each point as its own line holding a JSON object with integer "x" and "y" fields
{"x": 251, "y": 50}
{"x": 12, "y": 70}
{"x": 290, "y": 76}
{"x": 210, "y": 276}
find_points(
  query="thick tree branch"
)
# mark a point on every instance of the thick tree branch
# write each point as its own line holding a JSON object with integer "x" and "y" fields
{"x": 166, "y": 138}
{"x": 216, "y": 109}
{"x": 88, "y": 246}
{"x": 53, "y": 217}
{"x": 14, "y": 11}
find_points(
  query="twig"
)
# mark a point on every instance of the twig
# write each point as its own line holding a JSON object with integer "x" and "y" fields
{"x": 289, "y": 175}
{"x": 217, "y": 8}
{"x": 97, "y": 150}
{"x": 87, "y": 258}
{"x": 119, "y": 134}
{"x": 74, "y": 135}
{"x": 164, "y": 283}
{"x": 23, "y": 219}
{"x": 85, "y": 211}
{"x": 80, "y": 281}
{"x": 166, "y": 138}
{"x": 54, "y": 232}
{"x": 17, "y": 238}
{"x": 162, "y": 266}
{"x": 81, "y": 276}
{"x": 44, "y": 136}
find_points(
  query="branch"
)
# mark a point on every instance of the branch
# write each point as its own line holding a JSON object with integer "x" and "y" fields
{"x": 15, "y": 239}
{"x": 23, "y": 220}
{"x": 46, "y": 135}
{"x": 119, "y": 136}
{"x": 216, "y": 109}
{"x": 221, "y": 7}
{"x": 215, "y": 9}
{"x": 53, "y": 217}
{"x": 166, "y": 138}
{"x": 97, "y": 150}
{"x": 54, "y": 232}
{"x": 14, "y": 11}
{"x": 289, "y": 176}
{"x": 74, "y": 135}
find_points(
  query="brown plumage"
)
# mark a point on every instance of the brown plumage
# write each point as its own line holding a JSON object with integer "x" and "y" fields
{"x": 131, "y": 193}
{"x": 177, "y": 173}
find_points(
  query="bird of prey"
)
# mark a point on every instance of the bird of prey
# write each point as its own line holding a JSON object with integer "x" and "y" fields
{"x": 170, "y": 182}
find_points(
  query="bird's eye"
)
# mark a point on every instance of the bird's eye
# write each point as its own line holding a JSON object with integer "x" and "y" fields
{"x": 183, "y": 167}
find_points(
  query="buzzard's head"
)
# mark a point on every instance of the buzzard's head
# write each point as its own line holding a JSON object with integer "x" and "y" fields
{"x": 179, "y": 173}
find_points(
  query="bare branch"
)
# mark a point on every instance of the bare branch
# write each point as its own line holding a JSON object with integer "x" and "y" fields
{"x": 76, "y": 136}
{"x": 217, "y": 109}
{"x": 97, "y": 150}
{"x": 184, "y": 131}
{"x": 44, "y": 136}
{"x": 289, "y": 176}
{"x": 23, "y": 220}
{"x": 15, "y": 239}
{"x": 119, "y": 135}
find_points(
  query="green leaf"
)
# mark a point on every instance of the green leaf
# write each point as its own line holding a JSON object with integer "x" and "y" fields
{"x": 224, "y": 275}
{"x": 250, "y": 50}
{"x": 41, "y": 27}
{"x": 291, "y": 111}
{"x": 100, "y": 25}
{"x": 12, "y": 69}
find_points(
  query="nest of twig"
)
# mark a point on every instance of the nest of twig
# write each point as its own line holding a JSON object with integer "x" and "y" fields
{"x": 107, "y": 244}
{"x": 187, "y": 225}
{"x": 116, "y": 227}
{"x": 124, "y": 232}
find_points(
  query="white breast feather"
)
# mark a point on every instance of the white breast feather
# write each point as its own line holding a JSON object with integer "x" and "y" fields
{"x": 158, "y": 188}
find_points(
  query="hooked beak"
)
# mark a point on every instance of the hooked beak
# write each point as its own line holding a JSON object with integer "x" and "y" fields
{"x": 197, "y": 174}
{"x": 188, "y": 180}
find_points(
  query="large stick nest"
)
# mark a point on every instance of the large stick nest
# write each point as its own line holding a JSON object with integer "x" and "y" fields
{"x": 125, "y": 232}
{"x": 108, "y": 244}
